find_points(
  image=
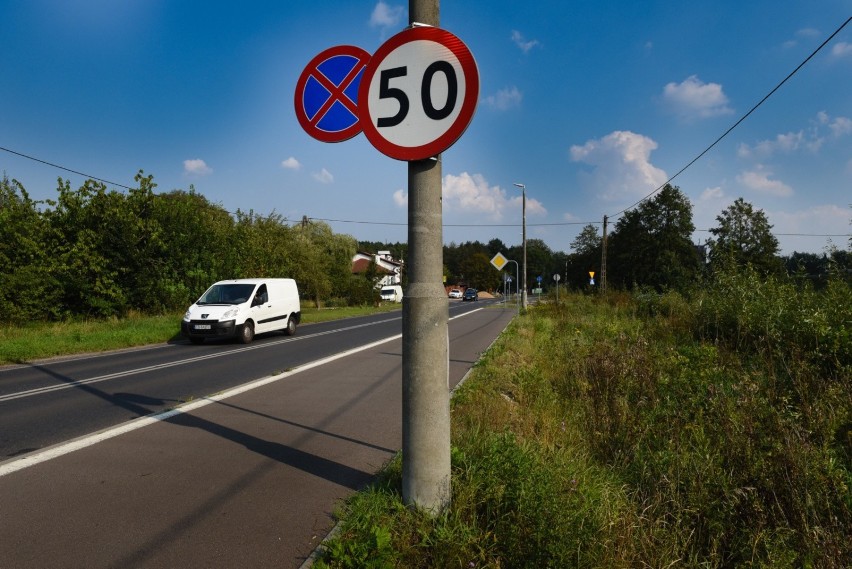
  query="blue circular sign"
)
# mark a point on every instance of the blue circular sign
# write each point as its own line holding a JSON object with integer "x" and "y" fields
{"x": 326, "y": 97}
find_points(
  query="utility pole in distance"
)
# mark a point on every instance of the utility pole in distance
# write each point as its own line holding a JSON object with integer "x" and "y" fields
{"x": 425, "y": 336}
{"x": 603, "y": 256}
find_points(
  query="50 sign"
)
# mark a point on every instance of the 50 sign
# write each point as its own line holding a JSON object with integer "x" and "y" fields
{"x": 449, "y": 104}
{"x": 418, "y": 93}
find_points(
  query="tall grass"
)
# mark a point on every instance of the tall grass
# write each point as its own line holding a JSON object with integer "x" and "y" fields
{"x": 711, "y": 430}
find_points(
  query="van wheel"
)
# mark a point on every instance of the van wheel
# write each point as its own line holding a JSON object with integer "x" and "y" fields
{"x": 196, "y": 339}
{"x": 290, "y": 330}
{"x": 247, "y": 332}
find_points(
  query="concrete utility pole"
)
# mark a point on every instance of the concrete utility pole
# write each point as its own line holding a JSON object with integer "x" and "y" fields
{"x": 425, "y": 336}
{"x": 603, "y": 256}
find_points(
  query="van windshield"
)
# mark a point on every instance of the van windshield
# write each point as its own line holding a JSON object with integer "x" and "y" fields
{"x": 227, "y": 294}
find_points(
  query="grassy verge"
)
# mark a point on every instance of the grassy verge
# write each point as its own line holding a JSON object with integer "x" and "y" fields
{"x": 640, "y": 432}
{"x": 19, "y": 344}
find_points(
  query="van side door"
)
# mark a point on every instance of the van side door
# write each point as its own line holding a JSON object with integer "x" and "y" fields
{"x": 261, "y": 310}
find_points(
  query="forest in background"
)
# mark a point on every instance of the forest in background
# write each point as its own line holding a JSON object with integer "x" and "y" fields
{"x": 93, "y": 252}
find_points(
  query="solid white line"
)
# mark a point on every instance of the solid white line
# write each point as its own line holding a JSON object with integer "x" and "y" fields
{"x": 95, "y": 438}
{"x": 85, "y": 441}
{"x": 126, "y": 373}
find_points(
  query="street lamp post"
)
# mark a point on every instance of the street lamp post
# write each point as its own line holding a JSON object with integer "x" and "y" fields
{"x": 524, "y": 237}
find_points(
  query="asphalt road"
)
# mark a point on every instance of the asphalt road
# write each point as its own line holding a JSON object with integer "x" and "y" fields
{"x": 248, "y": 477}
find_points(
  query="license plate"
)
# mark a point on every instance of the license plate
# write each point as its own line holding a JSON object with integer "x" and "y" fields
{"x": 202, "y": 326}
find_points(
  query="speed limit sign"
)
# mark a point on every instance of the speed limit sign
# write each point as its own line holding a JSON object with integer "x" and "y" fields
{"x": 418, "y": 93}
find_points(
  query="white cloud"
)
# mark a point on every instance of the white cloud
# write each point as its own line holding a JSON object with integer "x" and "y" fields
{"x": 472, "y": 193}
{"x": 759, "y": 181}
{"x": 323, "y": 176}
{"x": 505, "y": 99}
{"x": 811, "y": 140}
{"x": 786, "y": 143}
{"x": 525, "y": 45}
{"x": 842, "y": 49}
{"x": 805, "y": 33}
{"x": 712, "y": 194}
{"x": 291, "y": 164}
{"x": 621, "y": 165}
{"x": 385, "y": 16}
{"x": 400, "y": 198}
{"x": 196, "y": 167}
{"x": 840, "y": 126}
{"x": 817, "y": 220}
{"x": 695, "y": 99}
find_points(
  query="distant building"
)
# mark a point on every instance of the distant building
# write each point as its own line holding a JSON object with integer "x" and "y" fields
{"x": 386, "y": 265}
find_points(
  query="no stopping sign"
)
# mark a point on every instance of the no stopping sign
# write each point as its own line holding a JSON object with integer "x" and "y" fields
{"x": 418, "y": 93}
{"x": 327, "y": 92}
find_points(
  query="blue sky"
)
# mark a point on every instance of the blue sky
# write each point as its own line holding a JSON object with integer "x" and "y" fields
{"x": 590, "y": 104}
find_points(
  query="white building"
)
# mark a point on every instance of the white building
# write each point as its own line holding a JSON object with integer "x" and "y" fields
{"x": 386, "y": 265}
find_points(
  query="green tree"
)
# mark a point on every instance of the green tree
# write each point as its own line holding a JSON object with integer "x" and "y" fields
{"x": 744, "y": 237}
{"x": 198, "y": 240}
{"x": 586, "y": 256}
{"x": 652, "y": 244}
{"x": 323, "y": 261}
{"x": 496, "y": 246}
{"x": 539, "y": 263}
{"x": 83, "y": 224}
{"x": 28, "y": 288}
{"x": 588, "y": 241}
{"x": 479, "y": 272}
{"x": 457, "y": 262}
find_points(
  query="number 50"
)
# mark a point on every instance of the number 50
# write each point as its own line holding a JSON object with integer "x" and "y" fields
{"x": 388, "y": 92}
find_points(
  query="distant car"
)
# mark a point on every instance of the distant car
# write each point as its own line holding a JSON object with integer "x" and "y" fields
{"x": 470, "y": 294}
{"x": 455, "y": 293}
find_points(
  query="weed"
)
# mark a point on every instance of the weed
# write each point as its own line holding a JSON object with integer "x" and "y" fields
{"x": 710, "y": 430}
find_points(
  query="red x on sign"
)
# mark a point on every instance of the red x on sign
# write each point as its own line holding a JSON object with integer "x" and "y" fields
{"x": 326, "y": 96}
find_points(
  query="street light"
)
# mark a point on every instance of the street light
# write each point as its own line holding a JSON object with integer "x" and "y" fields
{"x": 524, "y": 236}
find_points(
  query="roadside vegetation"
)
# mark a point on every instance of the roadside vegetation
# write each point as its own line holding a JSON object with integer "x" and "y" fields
{"x": 98, "y": 253}
{"x": 710, "y": 428}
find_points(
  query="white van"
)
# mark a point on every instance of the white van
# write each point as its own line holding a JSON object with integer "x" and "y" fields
{"x": 392, "y": 293}
{"x": 243, "y": 308}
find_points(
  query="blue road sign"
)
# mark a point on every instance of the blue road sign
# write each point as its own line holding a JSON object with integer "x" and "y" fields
{"x": 326, "y": 97}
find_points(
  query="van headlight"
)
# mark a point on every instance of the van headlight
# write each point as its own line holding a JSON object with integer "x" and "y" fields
{"x": 187, "y": 315}
{"x": 232, "y": 313}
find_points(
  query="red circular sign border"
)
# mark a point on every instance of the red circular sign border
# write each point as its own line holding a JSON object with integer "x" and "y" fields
{"x": 312, "y": 67}
{"x": 471, "y": 78}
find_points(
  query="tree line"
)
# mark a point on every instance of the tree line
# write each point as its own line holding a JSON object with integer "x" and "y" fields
{"x": 94, "y": 252}
{"x": 649, "y": 246}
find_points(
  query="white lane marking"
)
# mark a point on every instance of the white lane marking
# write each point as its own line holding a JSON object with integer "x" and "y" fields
{"x": 85, "y": 441}
{"x": 126, "y": 373}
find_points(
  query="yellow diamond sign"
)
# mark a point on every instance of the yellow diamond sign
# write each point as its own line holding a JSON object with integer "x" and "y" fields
{"x": 499, "y": 261}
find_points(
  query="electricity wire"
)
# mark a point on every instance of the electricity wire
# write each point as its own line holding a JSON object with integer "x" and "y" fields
{"x": 736, "y": 124}
{"x": 679, "y": 172}
{"x": 33, "y": 158}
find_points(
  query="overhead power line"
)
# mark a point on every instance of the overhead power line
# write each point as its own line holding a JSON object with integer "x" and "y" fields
{"x": 744, "y": 117}
{"x": 455, "y": 224}
{"x": 39, "y": 160}
{"x": 403, "y": 224}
